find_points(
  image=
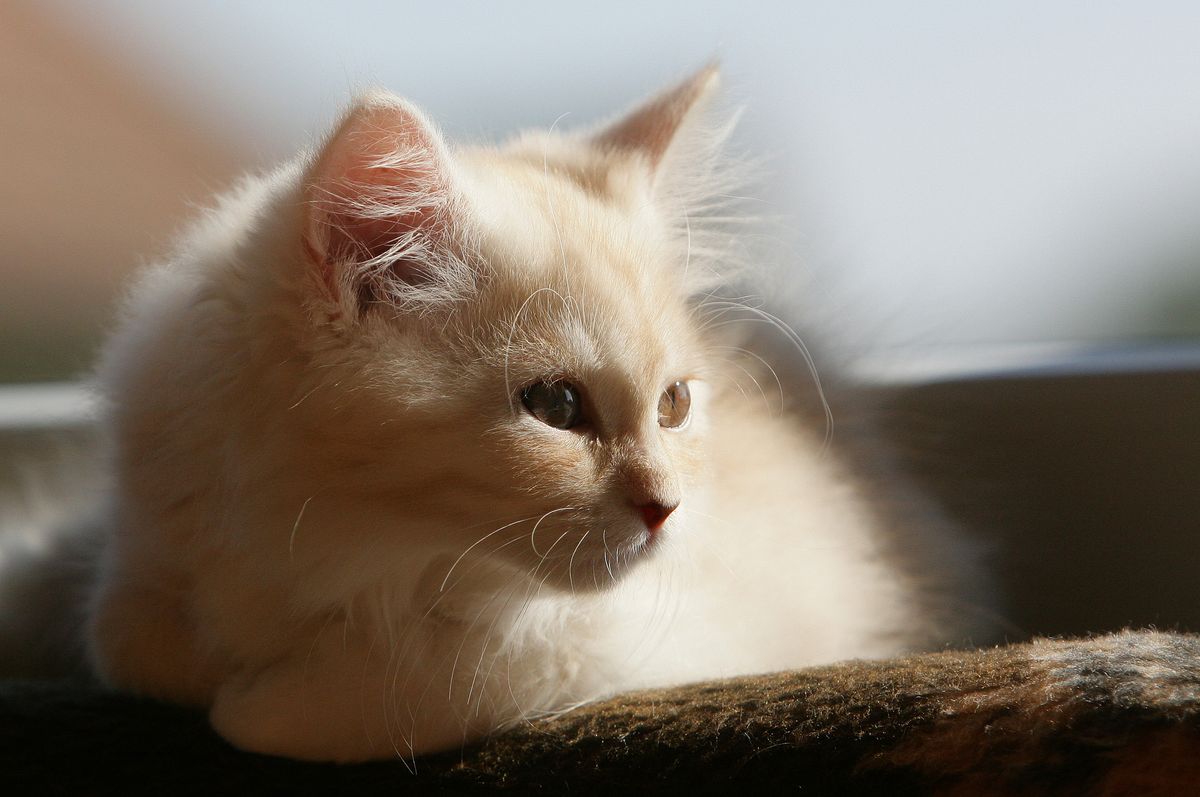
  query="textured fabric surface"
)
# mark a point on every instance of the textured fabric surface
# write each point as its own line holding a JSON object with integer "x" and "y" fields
{"x": 1110, "y": 715}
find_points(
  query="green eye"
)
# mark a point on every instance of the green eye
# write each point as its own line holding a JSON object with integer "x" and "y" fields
{"x": 674, "y": 405}
{"x": 555, "y": 404}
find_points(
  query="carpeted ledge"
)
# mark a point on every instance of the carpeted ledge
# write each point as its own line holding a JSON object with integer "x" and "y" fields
{"x": 1111, "y": 715}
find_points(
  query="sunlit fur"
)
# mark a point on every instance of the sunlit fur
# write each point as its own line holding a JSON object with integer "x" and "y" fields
{"x": 336, "y": 526}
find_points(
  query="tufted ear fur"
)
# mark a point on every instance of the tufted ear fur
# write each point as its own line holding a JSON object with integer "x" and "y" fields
{"x": 678, "y": 145}
{"x": 381, "y": 207}
{"x": 651, "y": 128}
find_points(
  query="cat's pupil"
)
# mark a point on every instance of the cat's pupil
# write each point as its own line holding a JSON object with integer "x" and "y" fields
{"x": 674, "y": 405}
{"x": 553, "y": 403}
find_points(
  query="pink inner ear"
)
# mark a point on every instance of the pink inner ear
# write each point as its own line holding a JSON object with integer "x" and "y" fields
{"x": 376, "y": 200}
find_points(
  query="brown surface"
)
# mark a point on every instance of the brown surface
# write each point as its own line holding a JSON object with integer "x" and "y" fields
{"x": 1114, "y": 715}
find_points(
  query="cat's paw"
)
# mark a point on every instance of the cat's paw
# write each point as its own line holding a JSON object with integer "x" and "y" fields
{"x": 273, "y": 714}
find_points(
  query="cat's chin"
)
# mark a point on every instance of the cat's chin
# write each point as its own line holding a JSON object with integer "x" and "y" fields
{"x": 602, "y": 568}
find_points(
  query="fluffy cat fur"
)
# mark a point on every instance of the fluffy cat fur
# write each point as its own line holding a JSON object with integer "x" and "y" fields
{"x": 334, "y": 525}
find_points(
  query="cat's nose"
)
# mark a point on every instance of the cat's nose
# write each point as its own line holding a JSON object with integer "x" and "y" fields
{"x": 656, "y": 514}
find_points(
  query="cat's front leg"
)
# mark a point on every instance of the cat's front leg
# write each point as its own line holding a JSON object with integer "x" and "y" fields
{"x": 140, "y": 638}
{"x": 338, "y": 700}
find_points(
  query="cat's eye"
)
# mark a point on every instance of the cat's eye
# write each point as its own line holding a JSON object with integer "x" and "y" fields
{"x": 555, "y": 404}
{"x": 674, "y": 406}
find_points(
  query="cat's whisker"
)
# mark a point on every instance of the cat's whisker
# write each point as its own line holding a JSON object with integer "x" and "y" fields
{"x": 763, "y": 316}
{"x": 714, "y": 550}
{"x": 316, "y": 640}
{"x": 516, "y": 582}
{"x": 305, "y": 396}
{"x": 768, "y": 366}
{"x": 729, "y": 378}
{"x": 516, "y": 623}
{"x": 595, "y": 573}
{"x": 571, "y": 563}
{"x": 533, "y": 533}
{"x": 717, "y": 305}
{"x": 691, "y": 510}
{"x": 657, "y": 614}
{"x": 487, "y": 536}
{"x": 551, "y": 548}
{"x": 507, "y": 648}
{"x": 743, "y": 369}
{"x": 607, "y": 563}
{"x": 362, "y": 688}
{"x": 441, "y": 596}
{"x": 485, "y": 648}
{"x": 296, "y": 525}
{"x": 483, "y": 645}
{"x": 444, "y": 593}
{"x": 394, "y": 734}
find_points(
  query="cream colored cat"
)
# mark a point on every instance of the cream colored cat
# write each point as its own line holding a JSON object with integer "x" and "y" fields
{"x": 413, "y": 442}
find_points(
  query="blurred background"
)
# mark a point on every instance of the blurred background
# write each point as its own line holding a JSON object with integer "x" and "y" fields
{"x": 1025, "y": 171}
{"x": 949, "y": 175}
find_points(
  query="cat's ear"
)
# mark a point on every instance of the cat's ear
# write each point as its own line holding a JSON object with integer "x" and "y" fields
{"x": 652, "y": 128}
{"x": 380, "y": 205}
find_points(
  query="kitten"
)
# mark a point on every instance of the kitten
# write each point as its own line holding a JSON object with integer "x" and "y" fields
{"x": 412, "y": 442}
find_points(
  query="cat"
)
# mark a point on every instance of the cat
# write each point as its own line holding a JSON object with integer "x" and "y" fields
{"x": 412, "y": 442}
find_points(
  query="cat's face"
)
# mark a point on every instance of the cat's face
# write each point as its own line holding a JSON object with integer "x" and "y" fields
{"x": 527, "y": 361}
{"x": 595, "y": 386}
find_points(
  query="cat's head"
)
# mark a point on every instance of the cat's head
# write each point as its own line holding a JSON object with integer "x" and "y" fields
{"x": 506, "y": 338}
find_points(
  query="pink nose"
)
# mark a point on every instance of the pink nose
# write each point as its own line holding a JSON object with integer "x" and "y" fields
{"x": 655, "y": 514}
